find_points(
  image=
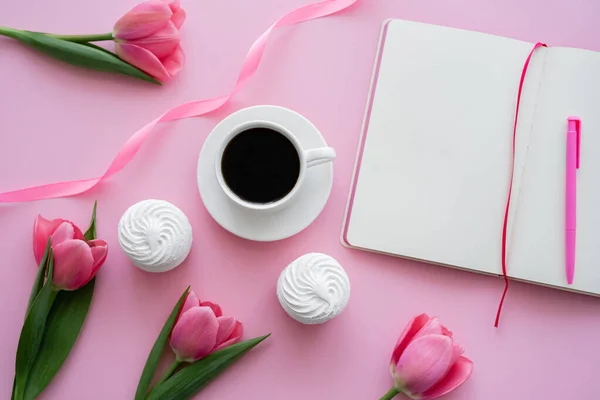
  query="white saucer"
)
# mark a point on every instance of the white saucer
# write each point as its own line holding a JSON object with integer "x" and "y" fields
{"x": 265, "y": 226}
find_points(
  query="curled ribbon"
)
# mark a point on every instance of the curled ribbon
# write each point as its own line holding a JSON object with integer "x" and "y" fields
{"x": 186, "y": 110}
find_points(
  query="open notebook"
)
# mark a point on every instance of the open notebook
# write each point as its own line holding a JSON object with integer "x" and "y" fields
{"x": 433, "y": 163}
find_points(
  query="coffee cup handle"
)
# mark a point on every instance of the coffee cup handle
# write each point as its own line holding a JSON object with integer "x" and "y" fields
{"x": 318, "y": 156}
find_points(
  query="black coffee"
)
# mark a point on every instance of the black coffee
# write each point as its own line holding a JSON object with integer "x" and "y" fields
{"x": 260, "y": 165}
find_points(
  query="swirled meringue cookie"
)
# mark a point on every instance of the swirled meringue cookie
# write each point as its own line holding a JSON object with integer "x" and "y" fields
{"x": 313, "y": 289}
{"x": 155, "y": 235}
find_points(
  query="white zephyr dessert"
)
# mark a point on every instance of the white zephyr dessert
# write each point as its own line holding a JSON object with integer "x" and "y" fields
{"x": 155, "y": 235}
{"x": 313, "y": 289}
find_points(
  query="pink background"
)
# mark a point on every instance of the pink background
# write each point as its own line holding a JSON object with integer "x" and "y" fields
{"x": 59, "y": 122}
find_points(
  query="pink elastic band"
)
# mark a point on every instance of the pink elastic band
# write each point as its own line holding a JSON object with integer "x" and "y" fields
{"x": 512, "y": 167}
{"x": 191, "y": 109}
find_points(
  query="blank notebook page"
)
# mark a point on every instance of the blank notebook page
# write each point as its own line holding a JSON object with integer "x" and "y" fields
{"x": 433, "y": 178}
{"x": 571, "y": 86}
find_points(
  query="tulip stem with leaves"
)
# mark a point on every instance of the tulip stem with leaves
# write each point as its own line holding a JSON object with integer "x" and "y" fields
{"x": 59, "y": 302}
{"x": 146, "y": 43}
{"x": 79, "y": 54}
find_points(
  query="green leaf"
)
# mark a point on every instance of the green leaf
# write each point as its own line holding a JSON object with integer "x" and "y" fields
{"x": 90, "y": 234}
{"x": 157, "y": 349}
{"x": 93, "y": 46}
{"x": 39, "y": 278}
{"x": 81, "y": 55}
{"x": 32, "y": 332}
{"x": 185, "y": 383}
{"x": 63, "y": 326}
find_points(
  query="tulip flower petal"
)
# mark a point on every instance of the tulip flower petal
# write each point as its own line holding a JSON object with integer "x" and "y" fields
{"x": 42, "y": 230}
{"x": 143, "y": 59}
{"x": 190, "y": 301}
{"x": 66, "y": 231}
{"x": 213, "y": 306}
{"x": 457, "y": 351}
{"x": 432, "y": 327}
{"x": 162, "y": 42}
{"x": 226, "y": 325}
{"x": 99, "y": 252}
{"x": 195, "y": 333}
{"x": 174, "y": 62}
{"x": 456, "y": 376}
{"x": 234, "y": 336}
{"x": 410, "y": 331}
{"x": 425, "y": 361}
{"x": 142, "y": 20}
{"x": 174, "y": 5}
{"x": 73, "y": 263}
{"x": 178, "y": 17}
{"x": 446, "y": 331}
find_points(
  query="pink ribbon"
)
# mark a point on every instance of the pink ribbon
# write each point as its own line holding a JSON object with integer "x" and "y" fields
{"x": 510, "y": 184}
{"x": 186, "y": 110}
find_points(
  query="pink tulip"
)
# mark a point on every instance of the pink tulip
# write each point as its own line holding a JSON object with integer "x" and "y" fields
{"x": 426, "y": 363}
{"x": 201, "y": 329}
{"x": 76, "y": 261}
{"x": 43, "y": 229}
{"x": 148, "y": 37}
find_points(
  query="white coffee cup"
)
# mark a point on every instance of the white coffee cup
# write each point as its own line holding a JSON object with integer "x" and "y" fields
{"x": 308, "y": 158}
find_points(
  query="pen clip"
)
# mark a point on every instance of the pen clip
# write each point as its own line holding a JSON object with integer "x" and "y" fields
{"x": 575, "y": 124}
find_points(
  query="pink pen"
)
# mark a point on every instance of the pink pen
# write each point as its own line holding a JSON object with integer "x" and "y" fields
{"x": 572, "y": 164}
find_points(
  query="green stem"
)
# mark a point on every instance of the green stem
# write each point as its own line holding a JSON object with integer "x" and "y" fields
{"x": 168, "y": 374}
{"x": 84, "y": 38}
{"x": 10, "y": 32}
{"x": 390, "y": 394}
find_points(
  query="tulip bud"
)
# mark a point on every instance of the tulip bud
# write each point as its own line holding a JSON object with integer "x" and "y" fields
{"x": 43, "y": 229}
{"x": 76, "y": 261}
{"x": 201, "y": 329}
{"x": 426, "y": 363}
{"x": 148, "y": 37}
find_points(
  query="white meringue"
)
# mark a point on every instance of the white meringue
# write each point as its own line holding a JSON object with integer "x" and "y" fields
{"x": 313, "y": 289}
{"x": 155, "y": 235}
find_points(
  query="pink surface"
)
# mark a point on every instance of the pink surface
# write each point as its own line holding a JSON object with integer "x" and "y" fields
{"x": 545, "y": 347}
